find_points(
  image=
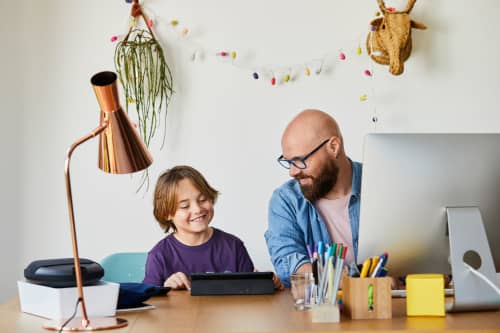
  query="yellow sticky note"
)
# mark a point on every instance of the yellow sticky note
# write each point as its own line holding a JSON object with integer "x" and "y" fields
{"x": 425, "y": 295}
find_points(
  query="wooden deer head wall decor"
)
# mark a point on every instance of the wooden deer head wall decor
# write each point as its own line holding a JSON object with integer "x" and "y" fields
{"x": 389, "y": 41}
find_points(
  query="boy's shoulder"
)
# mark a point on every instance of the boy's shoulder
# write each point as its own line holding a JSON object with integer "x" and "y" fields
{"x": 226, "y": 236}
{"x": 163, "y": 243}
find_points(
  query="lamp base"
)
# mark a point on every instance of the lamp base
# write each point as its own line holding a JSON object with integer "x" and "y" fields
{"x": 95, "y": 324}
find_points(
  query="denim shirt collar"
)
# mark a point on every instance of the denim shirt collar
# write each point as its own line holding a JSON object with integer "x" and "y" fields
{"x": 356, "y": 179}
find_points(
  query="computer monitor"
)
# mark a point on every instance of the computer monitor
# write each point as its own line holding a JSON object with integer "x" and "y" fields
{"x": 424, "y": 194}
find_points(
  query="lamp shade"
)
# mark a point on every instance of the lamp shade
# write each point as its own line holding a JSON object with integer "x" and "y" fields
{"x": 121, "y": 149}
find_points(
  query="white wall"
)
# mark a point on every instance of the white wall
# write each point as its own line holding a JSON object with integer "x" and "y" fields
{"x": 10, "y": 146}
{"x": 220, "y": 120}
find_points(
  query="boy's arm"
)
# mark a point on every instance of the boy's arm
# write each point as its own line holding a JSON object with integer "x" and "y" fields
{"x": 153, "y": 271}
{"x": 244, "y": 263}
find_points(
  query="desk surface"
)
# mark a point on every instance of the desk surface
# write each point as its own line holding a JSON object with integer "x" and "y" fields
{"x": 180, "y": 312}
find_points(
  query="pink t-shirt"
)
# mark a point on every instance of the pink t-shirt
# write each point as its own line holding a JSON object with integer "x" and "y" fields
{"x": 335, "y": 213}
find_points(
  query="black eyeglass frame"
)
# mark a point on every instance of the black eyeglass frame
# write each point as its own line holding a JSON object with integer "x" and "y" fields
{"x": 287, "y": 164}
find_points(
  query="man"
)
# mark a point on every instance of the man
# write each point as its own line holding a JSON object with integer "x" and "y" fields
{"x": 321, "y": 202}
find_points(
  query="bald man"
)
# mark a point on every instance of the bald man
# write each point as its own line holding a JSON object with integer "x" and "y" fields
{"x": 321, "y": 202}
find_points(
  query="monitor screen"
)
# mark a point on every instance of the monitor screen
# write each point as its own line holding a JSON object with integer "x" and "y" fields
{"x": 410, "y": 181}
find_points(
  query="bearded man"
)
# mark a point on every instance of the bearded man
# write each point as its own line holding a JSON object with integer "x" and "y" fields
{"x": 320, "y": 203}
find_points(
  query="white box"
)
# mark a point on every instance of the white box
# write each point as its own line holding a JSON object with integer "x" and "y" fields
{"x": 59, "y": 303}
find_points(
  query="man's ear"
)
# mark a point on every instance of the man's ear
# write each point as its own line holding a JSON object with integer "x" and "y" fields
{"x": 334, "y": 145}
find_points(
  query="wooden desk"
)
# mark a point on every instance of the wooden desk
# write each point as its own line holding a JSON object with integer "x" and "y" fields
{"x": 180, "y": 312}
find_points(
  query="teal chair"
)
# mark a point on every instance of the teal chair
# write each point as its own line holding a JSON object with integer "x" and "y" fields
{"x": 124, "y": 267}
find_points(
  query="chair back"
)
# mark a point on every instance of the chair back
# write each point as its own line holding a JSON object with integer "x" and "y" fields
{"x": 124, "y": 267}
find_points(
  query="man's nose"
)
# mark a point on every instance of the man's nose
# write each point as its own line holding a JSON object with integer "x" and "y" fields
{"x": 294, "y": 171}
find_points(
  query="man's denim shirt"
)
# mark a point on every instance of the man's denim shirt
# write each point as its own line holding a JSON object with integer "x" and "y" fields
{"x": 294, "y": 222}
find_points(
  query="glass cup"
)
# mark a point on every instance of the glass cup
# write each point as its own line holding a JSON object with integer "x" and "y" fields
{"x": 302, "y": 290}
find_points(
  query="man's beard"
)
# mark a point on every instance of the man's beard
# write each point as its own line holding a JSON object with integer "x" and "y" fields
{"x": 322, "y": 184}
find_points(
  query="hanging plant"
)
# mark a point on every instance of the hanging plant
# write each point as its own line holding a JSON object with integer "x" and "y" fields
{"x": 144, "y": 75}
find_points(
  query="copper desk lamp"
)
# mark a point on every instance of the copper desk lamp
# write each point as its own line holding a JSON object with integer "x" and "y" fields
{"x": 121, "y": 150}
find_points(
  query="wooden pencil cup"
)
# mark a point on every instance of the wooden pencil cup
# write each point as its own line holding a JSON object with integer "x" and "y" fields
{"x": 367, "y": 298}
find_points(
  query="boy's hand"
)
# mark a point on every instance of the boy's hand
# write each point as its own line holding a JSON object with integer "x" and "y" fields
{"x": 177, "y": 281}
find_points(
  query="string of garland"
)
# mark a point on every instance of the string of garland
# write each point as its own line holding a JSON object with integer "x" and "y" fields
{"x": 274, "y": 75}
{"x": 281, "y": 75}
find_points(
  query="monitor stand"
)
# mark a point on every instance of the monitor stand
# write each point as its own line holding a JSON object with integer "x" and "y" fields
{"x": 468, "y": 242}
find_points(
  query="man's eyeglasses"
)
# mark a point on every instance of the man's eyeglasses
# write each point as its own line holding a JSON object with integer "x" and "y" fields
{"x": 299, "y": 162}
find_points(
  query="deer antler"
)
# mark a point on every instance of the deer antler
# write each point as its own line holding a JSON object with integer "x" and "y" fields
{"x": 409, "y": 6}
{"x": 382, "y": 6}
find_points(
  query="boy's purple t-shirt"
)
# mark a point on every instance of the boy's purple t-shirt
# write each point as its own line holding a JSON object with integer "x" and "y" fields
{"x": 223, "y": 252}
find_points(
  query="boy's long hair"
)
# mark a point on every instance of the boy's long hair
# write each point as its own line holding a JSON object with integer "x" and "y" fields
{"x": 165, "y": 196}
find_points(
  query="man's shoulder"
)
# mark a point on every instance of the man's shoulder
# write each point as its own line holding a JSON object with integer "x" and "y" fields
{"x": 290, "y": 188}
{"x": 288, "y": 197}
{"x": 357, "y": 170}
{"x": 357, "y": 166}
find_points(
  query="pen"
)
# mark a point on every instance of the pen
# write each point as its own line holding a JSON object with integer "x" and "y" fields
{"x": 383, "y": 272}
{"x": 331, "y": 272}
{"x": 326, "y": 272}
{"x": 338, "y": 272}
{"x": 373, "y": 265}
{"x": 309, "y": 252}
{"x": 344, "y": 252}
{"x": 334, "y": 253}
{"x": 366, "y": 268}
{"x": 340, "y": 247}
{"x": 320, "y": 259}
{"x": 315, "y": 275}
{"x": 320, "y": 251}
{"x": 381, "y": 263}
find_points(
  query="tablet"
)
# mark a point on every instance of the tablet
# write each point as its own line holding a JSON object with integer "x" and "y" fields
{"x": 251, "y": 283}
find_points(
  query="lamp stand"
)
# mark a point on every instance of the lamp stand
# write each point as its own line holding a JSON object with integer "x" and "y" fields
{"x": 121, "y": 151}
{"x": 83, "y": 323}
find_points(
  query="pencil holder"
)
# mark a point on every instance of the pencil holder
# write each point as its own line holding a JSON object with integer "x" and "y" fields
{"x": 425, "y": 295}
{"x": 367, "y": 298}
{"x": 325, "y": 313}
